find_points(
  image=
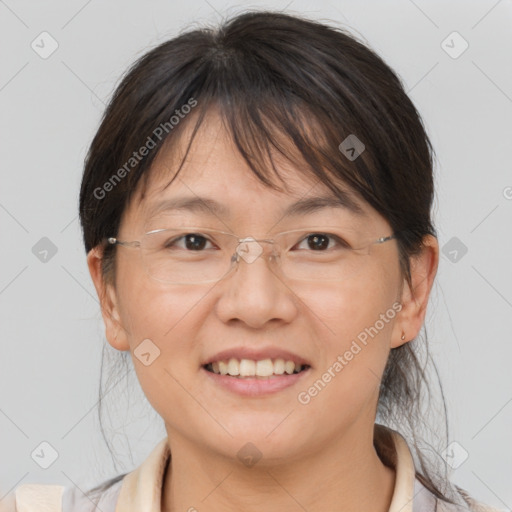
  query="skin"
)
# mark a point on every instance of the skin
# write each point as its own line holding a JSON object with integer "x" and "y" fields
{"x": 318, "y": 456}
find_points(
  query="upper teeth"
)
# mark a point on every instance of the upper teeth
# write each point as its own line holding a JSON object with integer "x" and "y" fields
{"x": 250, "y": 368}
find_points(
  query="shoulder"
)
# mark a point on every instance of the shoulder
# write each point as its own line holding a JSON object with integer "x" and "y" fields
{"x": 58, "y": 498}
{"x": 38, "y": 497}
{"x": 103, "y": 497}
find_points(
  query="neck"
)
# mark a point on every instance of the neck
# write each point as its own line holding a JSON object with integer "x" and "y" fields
{"x": 347, "y": 476}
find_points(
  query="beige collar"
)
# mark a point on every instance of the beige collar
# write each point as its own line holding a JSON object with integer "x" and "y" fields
{"x": 141, "y": 490}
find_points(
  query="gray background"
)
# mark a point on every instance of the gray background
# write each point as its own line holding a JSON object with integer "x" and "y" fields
{"x": 51, "y": 330}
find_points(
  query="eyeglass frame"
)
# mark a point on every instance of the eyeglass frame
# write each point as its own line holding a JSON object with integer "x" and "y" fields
{"x": 235, "y": 257}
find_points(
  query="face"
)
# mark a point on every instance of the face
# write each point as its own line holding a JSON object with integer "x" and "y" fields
{"x": 340, "y": 331}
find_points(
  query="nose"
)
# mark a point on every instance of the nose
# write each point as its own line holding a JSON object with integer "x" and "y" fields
{"x": 255, "y": 292}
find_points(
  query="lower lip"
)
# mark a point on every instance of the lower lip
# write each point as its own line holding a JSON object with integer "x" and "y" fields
{"x": 248, "y": 386}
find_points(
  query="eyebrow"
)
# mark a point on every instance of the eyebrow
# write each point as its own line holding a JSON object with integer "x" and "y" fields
{"x": 211, "y": 207}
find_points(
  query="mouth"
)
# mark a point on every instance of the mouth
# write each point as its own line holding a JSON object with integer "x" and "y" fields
{"x": 256, "y": 369}
{"x": 250, "y": 378}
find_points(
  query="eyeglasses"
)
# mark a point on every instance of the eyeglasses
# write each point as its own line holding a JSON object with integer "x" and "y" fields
{"x": 193, "y": 255}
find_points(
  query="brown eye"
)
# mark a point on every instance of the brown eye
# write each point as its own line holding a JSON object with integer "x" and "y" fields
{"x": 192, "y": 242}
{"x": 195, "y": 242}
{"x": 321, "y": 242}
{"x": 318, "y": 241}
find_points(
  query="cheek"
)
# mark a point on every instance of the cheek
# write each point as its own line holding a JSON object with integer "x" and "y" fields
{"x": 354, "y": 323}
{"x": 161, "y": 314}
{"x": 159, "y": 319}
{"x": 163, "y": 327}
{"x": 148, "y": 309}
{"x": 346, "y": 309}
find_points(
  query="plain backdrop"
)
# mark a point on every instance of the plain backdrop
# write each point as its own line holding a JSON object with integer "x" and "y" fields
{"x": 51, "y": 331}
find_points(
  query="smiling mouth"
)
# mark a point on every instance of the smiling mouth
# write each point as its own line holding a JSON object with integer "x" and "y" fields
{"x": 247, "y": 368}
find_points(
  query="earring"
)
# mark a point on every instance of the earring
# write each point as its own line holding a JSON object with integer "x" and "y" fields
{"x": 403, "y": 336}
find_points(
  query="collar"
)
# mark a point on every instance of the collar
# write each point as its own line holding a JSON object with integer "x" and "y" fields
{"x": 141, "y": 489}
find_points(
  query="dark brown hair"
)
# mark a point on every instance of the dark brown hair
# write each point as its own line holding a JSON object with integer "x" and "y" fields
{"x": 298, "y": 88}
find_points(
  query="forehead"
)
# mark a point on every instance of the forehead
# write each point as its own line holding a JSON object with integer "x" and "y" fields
{"x": 215, "y": 180}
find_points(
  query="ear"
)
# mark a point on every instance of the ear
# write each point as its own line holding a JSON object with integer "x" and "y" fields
{"x": 414, "y": 298}
{"x": 114, "y": 330}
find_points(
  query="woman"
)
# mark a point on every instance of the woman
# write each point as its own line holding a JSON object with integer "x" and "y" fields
{"x": 256, "y": 213}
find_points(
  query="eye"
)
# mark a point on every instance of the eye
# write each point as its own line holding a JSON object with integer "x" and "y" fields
{"x": 320, "y": 241}
{"x": 192, "y": 242}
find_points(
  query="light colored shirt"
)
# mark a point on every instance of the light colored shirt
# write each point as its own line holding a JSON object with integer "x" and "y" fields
{"x": 141, "y": 489}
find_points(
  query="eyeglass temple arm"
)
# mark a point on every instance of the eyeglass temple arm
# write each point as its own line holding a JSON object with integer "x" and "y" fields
{"x": 383, "y": 239}
{"x": 114, "y": 241}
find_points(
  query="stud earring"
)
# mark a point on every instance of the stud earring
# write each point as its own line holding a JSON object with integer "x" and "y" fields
{"x": 403, "y": 336}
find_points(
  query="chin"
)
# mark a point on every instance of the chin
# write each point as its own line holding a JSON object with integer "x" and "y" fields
{"x": 269, "y": 439}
